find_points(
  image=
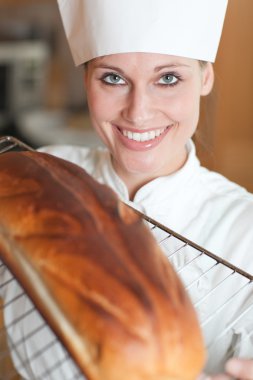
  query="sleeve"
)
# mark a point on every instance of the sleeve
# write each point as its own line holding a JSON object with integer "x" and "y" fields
{"x": 243, "y": 329}
{"x": 239, "y": 314}
{"x": 243, "y": 247}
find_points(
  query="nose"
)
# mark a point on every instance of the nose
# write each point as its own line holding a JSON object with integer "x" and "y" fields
{"x": 140, "y": 107}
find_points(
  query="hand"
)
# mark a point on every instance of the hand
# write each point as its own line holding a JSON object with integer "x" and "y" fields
{"x": 240, "y": 368}
{"x": 236, "y": 369}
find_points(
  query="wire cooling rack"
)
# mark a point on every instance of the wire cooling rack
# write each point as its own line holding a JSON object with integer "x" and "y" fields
{"x": 214, "y": 284}
{"x": 221, "y": 293}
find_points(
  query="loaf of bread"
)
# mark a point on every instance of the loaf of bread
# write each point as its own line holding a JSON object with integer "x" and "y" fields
{"x": 95, "y": 272}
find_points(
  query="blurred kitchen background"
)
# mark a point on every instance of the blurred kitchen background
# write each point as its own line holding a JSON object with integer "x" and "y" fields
{"x": 42, "y": 100}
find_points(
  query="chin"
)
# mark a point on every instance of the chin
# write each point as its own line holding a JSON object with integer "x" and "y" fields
{"x": 143, "y": 168}
{"x": 145, "y": 164}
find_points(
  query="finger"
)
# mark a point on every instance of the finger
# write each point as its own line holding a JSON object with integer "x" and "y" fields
{"x": 203, "y": 376}
{"x": 220, "y": 376}
{"x": 240, "y": 368}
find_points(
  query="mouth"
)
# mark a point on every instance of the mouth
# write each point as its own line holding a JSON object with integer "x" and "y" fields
{"x": 144, "y": 136}
{"x": 141, "y": 140}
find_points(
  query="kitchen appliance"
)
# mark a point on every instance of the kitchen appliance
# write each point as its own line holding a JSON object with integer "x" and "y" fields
{"x": 23, "y": 70}
{"x": 187, "y": 254}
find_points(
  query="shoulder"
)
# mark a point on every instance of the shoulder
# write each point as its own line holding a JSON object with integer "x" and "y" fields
{"x": 228, "y": 205}
{"x": 213, "y": 191}
{"x": 218, "y": 188}
{"x": 222, "y": 217}
{"x": 88, "y": 158}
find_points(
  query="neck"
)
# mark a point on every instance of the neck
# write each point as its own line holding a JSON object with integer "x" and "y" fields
{"x": 136, "y": 180}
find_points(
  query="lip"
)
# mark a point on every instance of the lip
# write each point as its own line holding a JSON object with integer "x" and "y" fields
{"x": 140, "y": 145}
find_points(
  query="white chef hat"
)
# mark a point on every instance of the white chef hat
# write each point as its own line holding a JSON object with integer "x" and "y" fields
{"x": 187, "y": 28}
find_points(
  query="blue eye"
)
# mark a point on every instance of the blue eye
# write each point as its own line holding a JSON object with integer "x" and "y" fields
{"x": 113, "y": 79}
{"x": 169, "y": 79}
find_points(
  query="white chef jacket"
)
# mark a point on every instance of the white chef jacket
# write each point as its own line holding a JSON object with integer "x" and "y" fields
{"x": 209, "y": 210}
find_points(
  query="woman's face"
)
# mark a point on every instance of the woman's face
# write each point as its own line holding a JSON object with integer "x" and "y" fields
{"x": 145, "y": 107}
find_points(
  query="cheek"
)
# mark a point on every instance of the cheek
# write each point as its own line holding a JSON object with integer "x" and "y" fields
{"x": 102, "y": 106}
{"x": 185, "y": 107}
{"x": 96, "y": 103}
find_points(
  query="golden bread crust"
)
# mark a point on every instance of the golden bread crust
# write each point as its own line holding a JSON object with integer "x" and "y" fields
{"x": 102, "y": 268}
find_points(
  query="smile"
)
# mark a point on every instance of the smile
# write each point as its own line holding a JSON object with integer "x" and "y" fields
{"x": 143, "y": 136}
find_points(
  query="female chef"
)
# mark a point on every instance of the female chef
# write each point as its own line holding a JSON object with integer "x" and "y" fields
{"x": 147, "y": 63}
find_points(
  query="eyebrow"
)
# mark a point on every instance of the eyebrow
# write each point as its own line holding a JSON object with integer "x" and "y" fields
{"x": 105, "y": 66}
{"x": 170, "y": 66}
{"x": 157, "y": 69}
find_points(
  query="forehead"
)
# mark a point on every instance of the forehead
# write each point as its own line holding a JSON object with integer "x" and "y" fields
{"x": 152, "y": 61}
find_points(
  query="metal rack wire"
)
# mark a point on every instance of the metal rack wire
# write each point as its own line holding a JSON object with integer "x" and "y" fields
{"x": 229, "y": 297}
{"x": 47, "y": 358}
{"x": 210, "y": 280}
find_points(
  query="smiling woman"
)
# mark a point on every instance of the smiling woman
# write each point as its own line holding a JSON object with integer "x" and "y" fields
{"x": 145, "y": 107}
{"x": 144, "y": 79}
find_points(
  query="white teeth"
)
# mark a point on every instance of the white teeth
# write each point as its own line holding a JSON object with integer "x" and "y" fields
{"x": 152, "y": 134}
{"x": 128, "y": 134}
{"x": 136, "y": 136}
{"x": 144, "y": 136}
